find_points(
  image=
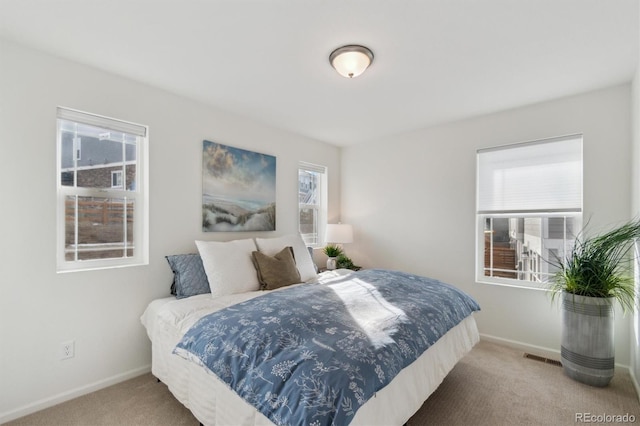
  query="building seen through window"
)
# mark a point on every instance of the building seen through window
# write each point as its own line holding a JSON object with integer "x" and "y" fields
{"x": 527, "y": 248}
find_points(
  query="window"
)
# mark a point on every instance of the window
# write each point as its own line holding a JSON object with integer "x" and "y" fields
{"x": 312, "y": 202}
{"x": 529, "y": 209}
{"x": 116, "y": 179}
{"x": 102, "y": 199}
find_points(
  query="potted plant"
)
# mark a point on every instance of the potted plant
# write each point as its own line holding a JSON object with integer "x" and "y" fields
{"x": 332, "y": 251}
{"x": 594, "y": 275}
{"x": 345, "y": 262}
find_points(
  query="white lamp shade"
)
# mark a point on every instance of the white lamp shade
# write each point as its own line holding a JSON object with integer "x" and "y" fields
{"x": 351, "y": 61}
{"x": 339, "y": 233}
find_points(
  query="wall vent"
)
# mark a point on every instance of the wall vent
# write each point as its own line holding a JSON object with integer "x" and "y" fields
{"x": 543, "y": 359}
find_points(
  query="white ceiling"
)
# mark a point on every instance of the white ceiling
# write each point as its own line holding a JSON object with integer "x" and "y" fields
{"x": 435, "y": 60}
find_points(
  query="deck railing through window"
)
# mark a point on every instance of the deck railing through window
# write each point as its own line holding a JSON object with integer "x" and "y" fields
{"x": 101, "y": 230}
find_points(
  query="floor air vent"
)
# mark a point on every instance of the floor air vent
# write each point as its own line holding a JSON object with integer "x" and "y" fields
{"x": 543, "y": 359}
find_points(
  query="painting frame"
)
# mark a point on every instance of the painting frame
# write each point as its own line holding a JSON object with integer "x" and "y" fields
{"x": 238, "y": 189}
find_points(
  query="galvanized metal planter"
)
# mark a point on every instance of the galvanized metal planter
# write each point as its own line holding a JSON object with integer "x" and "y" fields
{"x": 587, "y": 350}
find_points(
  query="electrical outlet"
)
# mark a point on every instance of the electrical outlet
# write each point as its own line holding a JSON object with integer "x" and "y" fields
{"x": 67, "y": 349}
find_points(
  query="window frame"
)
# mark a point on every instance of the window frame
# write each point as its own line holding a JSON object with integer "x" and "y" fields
{"x": 482, "y": 216}
{"x": 139, "y": 194}
{"x": 321, "y": 209}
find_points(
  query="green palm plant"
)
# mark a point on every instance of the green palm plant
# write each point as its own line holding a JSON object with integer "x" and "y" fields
{"x": 600, "y": 267}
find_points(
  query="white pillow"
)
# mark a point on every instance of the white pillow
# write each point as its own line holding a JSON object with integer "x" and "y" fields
{"x": 228, "y": 266}
{"x": 304, "y": 262}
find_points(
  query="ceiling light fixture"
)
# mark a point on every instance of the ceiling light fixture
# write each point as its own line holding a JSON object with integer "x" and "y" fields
{"x": 351, "y": 60}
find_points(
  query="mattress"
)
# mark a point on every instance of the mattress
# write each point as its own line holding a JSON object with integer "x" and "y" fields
{"x": 212, "y": 402}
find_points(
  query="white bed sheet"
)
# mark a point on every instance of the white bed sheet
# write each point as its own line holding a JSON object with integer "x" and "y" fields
{"x": 213, "y": 403}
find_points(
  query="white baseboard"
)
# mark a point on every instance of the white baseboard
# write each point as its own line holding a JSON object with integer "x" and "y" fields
{"x": 634, "y": 380}
{"x": 71, "y": 394}
{"x": 525, "y": 347}
{"x": 553, "y": 354}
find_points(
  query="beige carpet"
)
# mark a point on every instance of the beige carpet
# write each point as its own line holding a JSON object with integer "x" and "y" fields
{"x": 493, "y": 385}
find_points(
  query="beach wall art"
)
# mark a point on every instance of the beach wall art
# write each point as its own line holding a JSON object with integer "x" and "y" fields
{"x": 238, "y": 189}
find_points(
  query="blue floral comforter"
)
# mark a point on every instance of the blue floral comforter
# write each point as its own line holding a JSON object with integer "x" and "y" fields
{"x": 313, "y": 354}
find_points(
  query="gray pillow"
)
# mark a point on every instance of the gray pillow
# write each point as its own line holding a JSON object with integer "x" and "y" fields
{"x": 277, "y": 271}
{"x": 189, "y": 278}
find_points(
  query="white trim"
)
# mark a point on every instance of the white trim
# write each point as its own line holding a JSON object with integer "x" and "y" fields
{"x": 99, "y": 166}
{"x": 553, "y": 354}
{"x": 513, "y": 283}
{"x": 41, "y": 404}
{"x": 532, "y": 349}
{"x": 634, "y": 380}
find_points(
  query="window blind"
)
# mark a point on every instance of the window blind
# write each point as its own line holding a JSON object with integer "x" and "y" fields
{"x": 312, "y": 167}
{"x": 102, "y": 122}
{"x": 532, "y": 177}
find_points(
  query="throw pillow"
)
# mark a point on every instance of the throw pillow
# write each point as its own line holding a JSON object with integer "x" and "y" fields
{"x": 189, "y": 278}
{"x": 276, "y": 271}
{"x": 304, "y": 262}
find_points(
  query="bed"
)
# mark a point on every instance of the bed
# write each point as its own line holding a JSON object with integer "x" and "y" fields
{"x": 194, "y": 351}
